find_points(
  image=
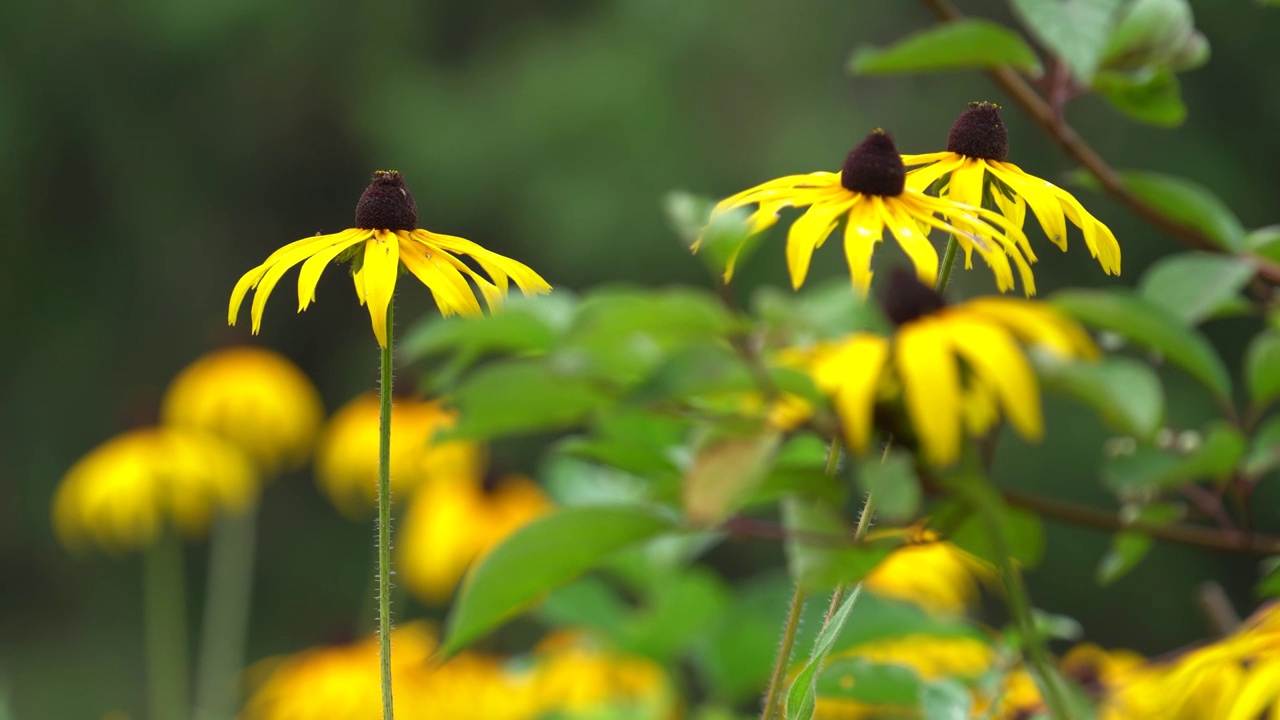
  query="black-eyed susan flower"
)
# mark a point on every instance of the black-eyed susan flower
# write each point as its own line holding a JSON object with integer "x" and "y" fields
{"x": 956, "y": 368}
{"x": 870, "y": 195}
{"x": 253, "y": 398}
{"x": 346, "y": 462}
{"x": 976, "y": 159}
{"x": 454, "y": 520}
{"x": 385, "y": 238}
{"x": 127, "y": 491}
{"x": 1121, "y": 683}
{"x": 930, "y": 573}
{"x": 575, "y": 674}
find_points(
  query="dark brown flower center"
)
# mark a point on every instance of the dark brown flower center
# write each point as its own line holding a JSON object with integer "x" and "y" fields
{"x": 905, "y": 298}
{"x": 874, "y": 167}
{"x": 980, "y": 133}
{"x": 387, "y": 204}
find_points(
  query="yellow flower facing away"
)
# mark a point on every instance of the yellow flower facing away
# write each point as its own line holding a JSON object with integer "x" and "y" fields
{"x": 254, "y": 398}
{"x": 870, "y": 195}
{"x": 955, "y": 367}
{"x": 385, "y": 237}
{"x": 128, "y": 490}
{"x": 930, "y": 573}
{"x": 453, "y": 521}
{"x": 342, "y": 682}
{"x": 976, "y": 154}
{"x": 346, "y": 463}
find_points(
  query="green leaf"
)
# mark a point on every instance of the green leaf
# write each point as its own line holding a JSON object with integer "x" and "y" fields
{"x": 736, "y": 655}
{"x": 1151, "y": 326}
{"x": 521, "y": 396}
{"x": 1156, "y": 34}
{"x": 964, "y": 44}
{"x": 1264, "y": 449}
{"x": 1125, "y": 393}
{"x": 1262, "y": 368}
{"x": 1075, "y": 30}
{"x": 872, "y": 683}
{"x": 1265, "y": 242}
{"x": 724, "y": 473}
{"x": 1188, "y": 203}
{"x": 823, "y": 311}
{"x": 725, "y": 239}
{"x": 1269, "y": 585}
{"x": 1128, "y": 548}
{"x": 816, "y": 556}
{"x": 1221, "y": 449}
{"x": 539, "y": 557}
{"x": 894, "y": 484}
{"x": 880, "y": 618}
{"x": 1144, "y": 468}
{"x": 945, "y": 700}
{"x": 802, "y": 695}
{"x": 1195, "y": 286}
{"x": 1154, "y": 98}
{"x": 1023, "y": 534}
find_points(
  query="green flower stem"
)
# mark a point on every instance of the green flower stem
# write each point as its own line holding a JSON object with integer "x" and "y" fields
{"x": 384, "y": 520}
{"x": 948, "y": 262}
{"x": 165, "y": 631}
{"x": 772, "y": 696}
{"x": 228, "y": 596}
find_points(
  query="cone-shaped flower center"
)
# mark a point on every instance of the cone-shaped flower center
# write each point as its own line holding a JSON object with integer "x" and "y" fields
{"x": 874, "y": 167}
{"x": 905, "y": 298}
{"x": 387, "y": 204}
{"x": 980, "y": 133}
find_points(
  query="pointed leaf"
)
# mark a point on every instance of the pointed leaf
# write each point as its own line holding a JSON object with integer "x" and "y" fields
{"x": 802, "y": 696}
{"x": 1126, "y": 393}
{"x": 1262, "y": 368}
{"x": 964, "y": 44}
{"x": 1195, "y": 286}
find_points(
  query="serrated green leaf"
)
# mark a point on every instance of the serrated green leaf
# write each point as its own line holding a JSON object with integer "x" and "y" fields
{"x": 967, "y": 43}
{"x": 539, "y": 557}
{"x": 824, "y": 564}
{"x": 1153, "y": 327}
{"x": 521, "y": 396}
{"x": 1075, "y": 30}
{"x": 894, "y": 485}
{"x": 1262, "y": 368}
{"x": 1126, "y": 393}
{"x": 1195, "y": 285}
{"x": 1154, "y": 98}
{"x": 802, "y": 695}
{"x": 1128, "y": 548}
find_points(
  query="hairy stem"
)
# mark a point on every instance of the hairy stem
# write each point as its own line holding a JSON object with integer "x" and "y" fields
{"x": 226, "y": 615}
{"x": 165, "y": 629}
{"x": 384, "y": 519}
{"x": 771, "y": 697}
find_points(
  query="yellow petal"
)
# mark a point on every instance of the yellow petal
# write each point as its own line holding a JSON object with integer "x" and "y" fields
{"x": 1039, "y": 196}
{"x": 931, "y": 386}
{"x": 311, "y": 270}
{"x": 774, "y": 189}
{"x": 1260, "y": 690}
{"x": 895, "y": 215}
{"x": 863, "y": 230}
{"x": 1097, "y": 237}
{"x": 1035, "y": 324}
{"x": 922, "y": 178}
{"x": 451, "y": 291}
{"x": 924, "y": 158}
{"x": 809, "y": 232}
{"x": 851, "y": 372}
{"x": 357, "y": 278}
{"x": 381, "y": 266}
{"x": 966, "y": 183}
{"x": 254, "y": 276}
{"x": 282, "y": 264}
{"x": 997, "y": 360}
{"x": 498, "y": 267}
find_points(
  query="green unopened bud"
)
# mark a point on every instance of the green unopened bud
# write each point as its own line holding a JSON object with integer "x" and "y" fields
{"x": 1151, "y": 34}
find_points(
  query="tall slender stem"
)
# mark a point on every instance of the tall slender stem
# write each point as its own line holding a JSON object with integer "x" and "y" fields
{"x": 228, "y": 595}
{"x": 384, "y": 519}
{"x": 771, "y": 697}
{"x": 165, "y": 629}
{"x": 948, "y": 262}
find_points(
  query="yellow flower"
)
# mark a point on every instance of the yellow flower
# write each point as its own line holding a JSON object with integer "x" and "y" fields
{"x": 385, "y": 237}
{"x": 870, "y": 194}
{"x": 254, "y": 398}
{"x": 123, "y": 493}
{"x": 347, "y": 457}
{"x": 452, "y": 521}
{"x": 573, "y": 674}
{"x": 955, "y": 367}
{"x": 977, "y": 148}
{"x": 930, "y": 573}
{"x": 1120, "y": 679}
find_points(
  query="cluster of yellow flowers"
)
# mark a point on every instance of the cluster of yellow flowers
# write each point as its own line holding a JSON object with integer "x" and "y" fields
{"x": 566, "y": 672}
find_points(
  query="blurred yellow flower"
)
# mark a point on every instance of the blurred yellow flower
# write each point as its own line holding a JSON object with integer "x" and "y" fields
{"x": 870, "y": 194}
{"x": 930, "y": 573}
{"x": 977, "y": 148}
{"x": 124, "y": 492}
{"x": 346, "y": 462}
{"x": 1108, "y": 675}
{"x": 454, "y": 520}
{"x": 955, "y": 367}
{"x": 386, "y": 237}
{"x": 253, "y": 398}
{"x": 342, "y": 682}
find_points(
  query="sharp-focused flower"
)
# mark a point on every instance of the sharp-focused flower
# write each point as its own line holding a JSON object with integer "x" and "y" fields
{"x": 384, "y": 238}
{"x": 870, "y": 194}
{"x": 129, "y": 489}
{"x": 254, "y": 398}
{"x": 342, "y": 682}
{"x": 976, "y": 158}
{"x": 931, "y": 573}
{"x": 347, "y": 457}
{"x": 956, "y": 368}
{"x": 452, "y": 521}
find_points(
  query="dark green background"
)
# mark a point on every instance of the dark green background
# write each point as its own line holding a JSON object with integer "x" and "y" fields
{"x": 152, "y": 151}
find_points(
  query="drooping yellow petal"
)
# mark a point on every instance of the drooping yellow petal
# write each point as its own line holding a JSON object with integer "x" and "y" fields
{"x": 493, "y": 296}
{"x": 281, "y": 266}
{"x": 863, "y": 230}
{"x": 380, "y": 269}
{"x": 966, "y": 183}
{"x": 895, "y": 215}
{"x": 1035, "y": 324}
{"x": 851, "y": 372}
{"x": 1039, "y": 197}
{"x": 774, "y": 189}
{"x": 1097, "y": 237}
{"x": 311, "y": 270}
{"x": 809, "y": 232}
{"x": 997, "y": 360}
{"x": 451, "y": 291}
{"x": 1260, "y": 691}
{"x": 922, "y": 178}
{"x": 931, "y": 386}
{"x": 925, "y": 158}
{"x": 249, "y": 280}
{"x": 357, "y": 279}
